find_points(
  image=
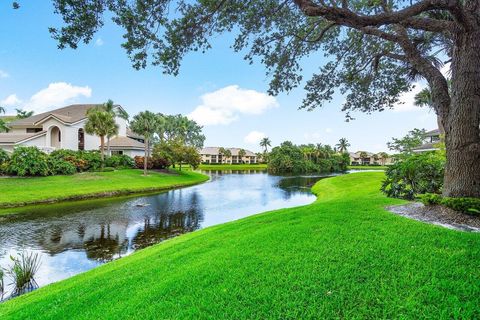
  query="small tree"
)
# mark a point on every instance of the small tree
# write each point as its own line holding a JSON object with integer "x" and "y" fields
{"x": 342, "y": 145}
{"x": 22, "y": 114}
{"x": 115, "y": 111}
{"x": 102, "y": 124}
{"x": 241, "y": 153}
{"x": 265, "y": 143}
{"x": 145, "y": 123}
{"x": 228, "y": 153}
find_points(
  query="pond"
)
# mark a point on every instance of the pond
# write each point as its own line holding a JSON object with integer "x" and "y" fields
{"x": 74, "y": 237}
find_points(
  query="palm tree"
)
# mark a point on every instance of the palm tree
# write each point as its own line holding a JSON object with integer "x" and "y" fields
{"x": 115, "y": 111}
{"x": 228, "y": 153}
{"x": 363, "y": 156}
{"x": 265, "y": 143}
{"x": 221, "y": 153}
{"x": 22, "y": 114}
{"x": 241, "y": 153}
{"x": 424, "y": 99}
{"x": 3, "y": 124}
{"x": 342, "y": 145}
{"x": 102, "y": 124}
{"x": 383, "y": 157}
{"x": 145, "y": 123}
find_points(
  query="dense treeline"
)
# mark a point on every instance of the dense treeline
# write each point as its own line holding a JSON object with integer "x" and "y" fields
{"x": 291, "y": 158}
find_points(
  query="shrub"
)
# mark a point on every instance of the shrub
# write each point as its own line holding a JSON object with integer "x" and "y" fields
{"x": 4, "y": 157}
{"x": 465, "y": 205}
{"x": 414, "y": 175}
{"x": 139, "y": 162}
{"x": 28, "y": 161}
{"x": 120, "y": 161}
{"x": 92, "y": 160}
{"x": 61, "y": 167}
{"x": 160, "y": 163}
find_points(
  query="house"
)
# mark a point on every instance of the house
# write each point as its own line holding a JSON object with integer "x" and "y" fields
{"x": 213, "y": 155}
{"x": 64, "y": 129}
{"x": 365, "y": 158}
{"x": 431, "y": 139}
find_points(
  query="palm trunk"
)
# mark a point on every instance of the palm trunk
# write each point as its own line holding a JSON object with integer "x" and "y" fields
{"x": 108, "y": 146}
{"x": 145, "y": 159}
{"x": 102, "y": 146}
{"x": 462, "y": 121}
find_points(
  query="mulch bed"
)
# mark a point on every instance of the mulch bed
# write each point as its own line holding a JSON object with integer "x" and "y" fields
{"x": 438, "y": 215}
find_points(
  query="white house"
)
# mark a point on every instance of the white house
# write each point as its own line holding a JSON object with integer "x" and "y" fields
{"x": 213, "y": 155}
{"x": 368, "y": 158}
{"x": 64, "y": 129}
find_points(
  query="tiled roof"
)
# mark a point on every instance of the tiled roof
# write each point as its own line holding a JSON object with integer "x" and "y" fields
{"x": 10, "y": 138}
{"x": 234, "y": 151}
{"x": 69, "y": 114}
{"x": 125, "y": 142}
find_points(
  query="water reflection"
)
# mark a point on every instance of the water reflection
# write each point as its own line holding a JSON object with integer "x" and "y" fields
{"x": 76, "y": 237}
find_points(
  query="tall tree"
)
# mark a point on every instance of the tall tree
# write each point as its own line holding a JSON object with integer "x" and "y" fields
{"x": 241, "y": 154}
{"x": 424, "y": 99}
{"x": 146, "y": 124}
{"x": 376, "y": 49}
{"x": 265, "y": 143}
{"x": 406, "y": 144}
{"x": 383, "y": 157}
{"x": 342, "y": 145}
{"x": 227, "y": 154}
{"x": 115, "y": 111}
{"x": 102, "y": 124}
{"x": 22, "y": 114}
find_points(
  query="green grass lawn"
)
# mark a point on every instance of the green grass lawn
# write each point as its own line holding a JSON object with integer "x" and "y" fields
{"x": 259, "y": 166}
{"x": 22, "y": 191}
{"x": 367, "y": 167}
{"x": 342, "y": 257}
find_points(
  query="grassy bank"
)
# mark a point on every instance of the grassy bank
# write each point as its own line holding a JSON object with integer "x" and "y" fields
{"x": 342, "y": 257}
{"x": 367, "y": 167}
{"x": 233, "y": 166}
{"x": 23, "y": 191}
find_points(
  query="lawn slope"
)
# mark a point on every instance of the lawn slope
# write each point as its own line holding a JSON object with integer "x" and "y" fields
{"x": 343, "y": 256}
{"x": 22, "y": 191}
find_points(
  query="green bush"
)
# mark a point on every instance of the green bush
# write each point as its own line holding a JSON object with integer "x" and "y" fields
{"x": 61, "y": 167}
{"x": 93, "y": 160}
{"x": 417, "y": 174}
{"x": 465, "y": 205}
{"x": 28, "y": 161}
{"x": 120, "y": 161}
{"x": 4, "y": 157}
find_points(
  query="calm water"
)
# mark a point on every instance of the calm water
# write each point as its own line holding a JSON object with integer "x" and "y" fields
{"x": 75, "y": 237}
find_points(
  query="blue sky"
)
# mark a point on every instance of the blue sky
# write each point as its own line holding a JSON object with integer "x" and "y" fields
{"x": 218, "y": 88}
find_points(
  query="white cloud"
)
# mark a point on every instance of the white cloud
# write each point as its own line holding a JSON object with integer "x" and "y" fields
{"x": 11, "y": 101}
{"x": 328, "y": 130}
{"x": 4, "y": 74}
{"x": 99, "y": 42}
{"x": 225, "y": 105}
{"x": 254, "y": 137}
{"x": 56, "y": 95}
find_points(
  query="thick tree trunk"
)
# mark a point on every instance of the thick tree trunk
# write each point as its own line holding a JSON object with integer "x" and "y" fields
{"x": 462, "y": 133}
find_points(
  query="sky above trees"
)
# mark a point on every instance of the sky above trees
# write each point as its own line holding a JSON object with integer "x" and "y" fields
{"x": 218, "y": 89}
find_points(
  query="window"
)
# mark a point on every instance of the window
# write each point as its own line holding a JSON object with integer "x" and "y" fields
{"x": 33, "y": 130}
{"x": 117, "y": 152}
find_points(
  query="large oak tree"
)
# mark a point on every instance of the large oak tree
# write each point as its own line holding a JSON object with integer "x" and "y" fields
{"x": 374, "y": 50}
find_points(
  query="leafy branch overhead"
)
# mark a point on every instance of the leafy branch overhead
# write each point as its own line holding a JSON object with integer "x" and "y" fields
{"x": 384, "y": 45}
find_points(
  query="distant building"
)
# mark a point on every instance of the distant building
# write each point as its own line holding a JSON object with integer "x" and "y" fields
{"x": 431, "y": 138}
{"x": 212, "y": 155}
{"x": 368, "y": 159}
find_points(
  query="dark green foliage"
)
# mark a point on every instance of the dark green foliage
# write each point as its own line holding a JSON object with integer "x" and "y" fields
{"x": 414, "y": 175}
{"x": 405, "y": 145}
{"x": 465, "y": 205}
{"x": 4, "y": 157}
{"x": 93, "y": 160}
{"x": 290, "y": 158}
{"x": 120, "y": 161}
{"x": 28, "y": 161}
{"x": 59, "y": 166}
{"x": 176, "y": 152}
{"x": 82, "y": 160}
